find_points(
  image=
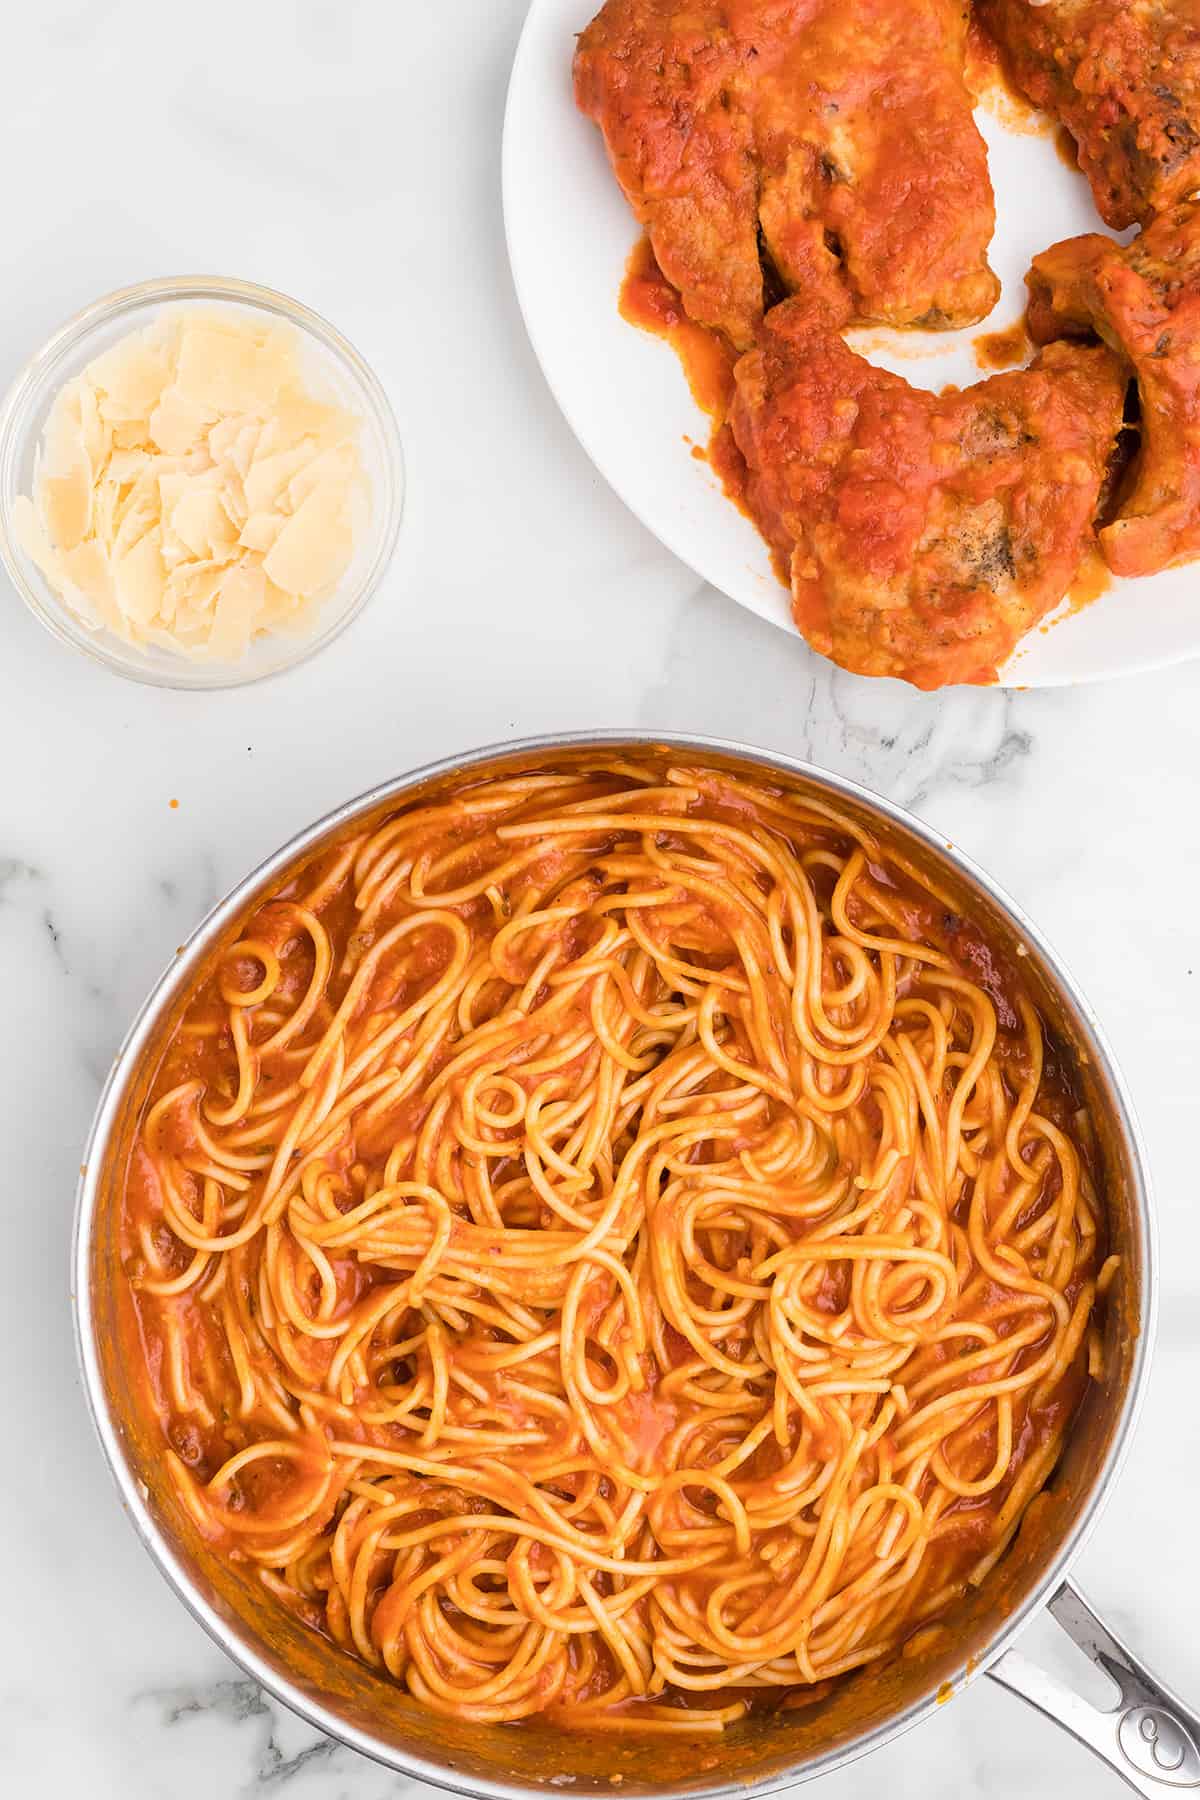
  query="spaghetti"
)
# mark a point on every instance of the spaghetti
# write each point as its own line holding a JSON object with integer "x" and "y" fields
{"x": 610, "y": 1243}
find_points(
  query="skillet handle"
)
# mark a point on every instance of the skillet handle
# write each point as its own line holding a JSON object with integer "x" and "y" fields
{"x": 1149, "y": 1737}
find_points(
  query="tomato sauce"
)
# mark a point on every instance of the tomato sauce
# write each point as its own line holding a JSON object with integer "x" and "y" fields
{"x": 994, "y": 88}
{"x": 1006, "y": 349}
{"x": 649, "y": 301}
{"x": 184, "y": 1342}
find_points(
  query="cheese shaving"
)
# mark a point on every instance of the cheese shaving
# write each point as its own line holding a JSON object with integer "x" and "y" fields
{"x": 191, "y": 492}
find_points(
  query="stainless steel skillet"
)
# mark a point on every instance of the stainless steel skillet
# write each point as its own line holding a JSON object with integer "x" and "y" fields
{"x": 1148, "y": 1737}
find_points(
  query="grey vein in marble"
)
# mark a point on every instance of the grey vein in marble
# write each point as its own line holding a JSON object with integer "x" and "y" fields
{"x": 244, "y": 1703}
{"x": 735, "y": 676}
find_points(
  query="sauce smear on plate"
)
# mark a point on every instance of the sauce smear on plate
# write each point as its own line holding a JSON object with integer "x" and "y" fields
{"x": 649, "y": 301}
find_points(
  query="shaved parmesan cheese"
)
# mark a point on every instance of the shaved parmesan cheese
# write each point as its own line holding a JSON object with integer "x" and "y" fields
{"x": 67, "y": 503}
{"x": 240, "y": 599}
{"x": 202, "y": 522}
{"x": 260, "y": 530}
{"x": 128, "y": 380}
{"x": 313, "y": 549}
{"x": 268, "y": 476}
{"x": 331, "y": 469}
{"x": 86, "y": 573}
{"x": 232, "y": 368}
{"x": 140, "y": 578}
{"x": 190, "y": 491}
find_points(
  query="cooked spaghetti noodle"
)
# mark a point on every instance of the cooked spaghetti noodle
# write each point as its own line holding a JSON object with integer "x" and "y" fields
{"x": 611, "y": 1243}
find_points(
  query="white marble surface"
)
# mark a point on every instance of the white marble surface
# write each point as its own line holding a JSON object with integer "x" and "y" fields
{"x": 348, "y": 152}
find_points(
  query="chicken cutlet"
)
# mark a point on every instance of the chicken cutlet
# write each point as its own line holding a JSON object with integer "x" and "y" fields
{"x": 922, "y": 534}
{"x": 1123, "y": 76}
{"x": 1143, "y": 301}
{"x": 832, "y": 141}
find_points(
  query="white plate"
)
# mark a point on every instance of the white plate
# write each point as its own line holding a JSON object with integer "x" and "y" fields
{"x": 625, "y": 396}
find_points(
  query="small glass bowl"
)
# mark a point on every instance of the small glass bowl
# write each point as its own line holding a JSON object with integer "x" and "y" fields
{"x": 335, "y": 371}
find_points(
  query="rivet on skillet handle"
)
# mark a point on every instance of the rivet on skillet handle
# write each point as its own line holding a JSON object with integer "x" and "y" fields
{"x": 1150, "y": 1738}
